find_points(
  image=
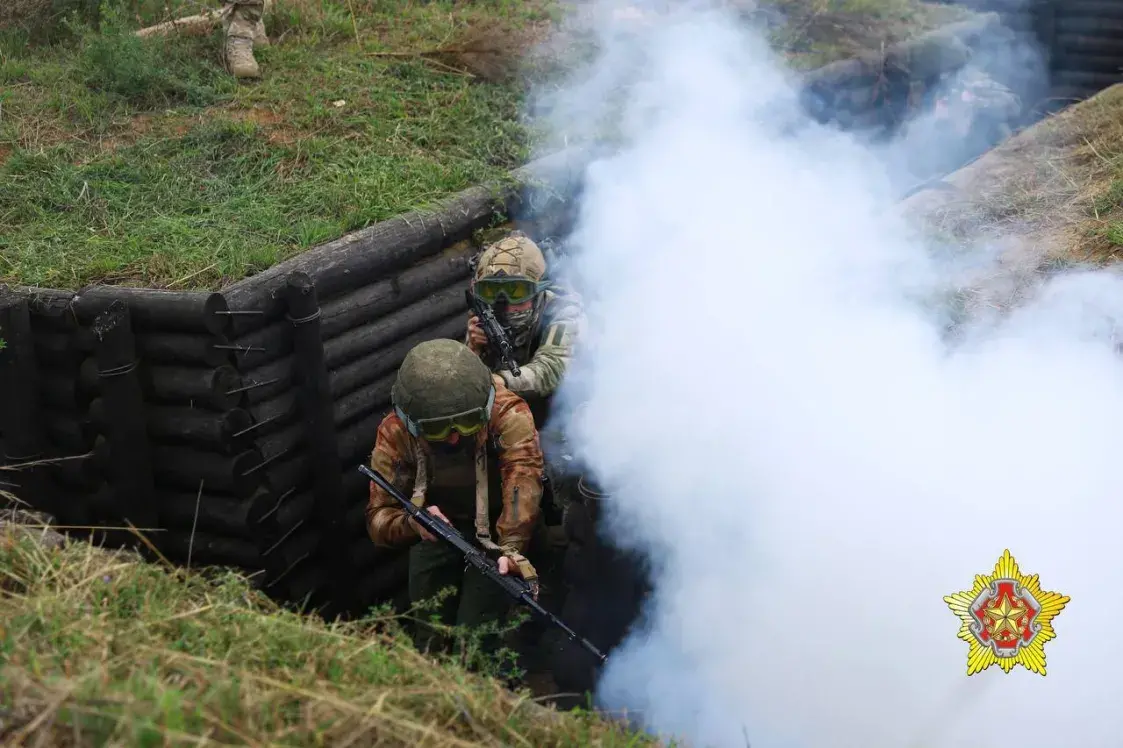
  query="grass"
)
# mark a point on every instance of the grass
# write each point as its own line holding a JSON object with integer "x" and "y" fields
{"x": 101, "y": 648}
{"x": 1058, "y": 185}
{"x": 141, "y": 162}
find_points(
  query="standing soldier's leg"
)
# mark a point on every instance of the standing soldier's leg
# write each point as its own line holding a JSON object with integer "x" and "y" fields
{"x": 432, "y": 568}
{"x": 482, "y": 602}
{"x": 243, "y": 25}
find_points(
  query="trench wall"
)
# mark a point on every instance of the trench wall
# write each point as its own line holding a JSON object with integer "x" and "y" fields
{"x": 1082, "y": 40}
{"x": 226, "y": 426}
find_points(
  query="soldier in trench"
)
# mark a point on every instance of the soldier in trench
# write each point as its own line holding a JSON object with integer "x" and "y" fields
{"x": 464, "y": 446}
{"x": 542, "y": 321}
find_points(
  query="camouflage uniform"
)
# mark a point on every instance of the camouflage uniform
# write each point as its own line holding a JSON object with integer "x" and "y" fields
{"x": 245, "y": 29}
{"x": 496, "y": 472}
{"x": 544, "y": 336}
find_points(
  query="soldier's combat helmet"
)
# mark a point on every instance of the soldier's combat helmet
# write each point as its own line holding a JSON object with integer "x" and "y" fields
{"x": 513, "y": 271}
{"x": 441, "y": 387}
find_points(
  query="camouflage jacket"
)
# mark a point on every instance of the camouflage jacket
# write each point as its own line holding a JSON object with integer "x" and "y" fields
{"x": 543, "y": 362}
{"x": 511, "y": 431}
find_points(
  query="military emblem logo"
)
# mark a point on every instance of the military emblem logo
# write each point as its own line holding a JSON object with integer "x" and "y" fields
{"x": 1007, "y": 618}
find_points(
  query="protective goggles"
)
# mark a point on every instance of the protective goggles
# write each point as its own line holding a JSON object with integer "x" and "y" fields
{"x": 515, "y": 290}
{"x": 438, "y": 429}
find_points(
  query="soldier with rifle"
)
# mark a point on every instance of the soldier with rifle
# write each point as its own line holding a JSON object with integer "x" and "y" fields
{"x": 539, "y": 321}
{"x": 463, "y": 447}
{"x": 524, "y": 327}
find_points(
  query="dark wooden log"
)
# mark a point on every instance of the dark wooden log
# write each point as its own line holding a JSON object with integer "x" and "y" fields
{"x": 152, "y": 309}
{"x": 20, "y": 408}
{"x": 315, "y": 404}
{"x": 363, "y": 305}
{"x": 208, "y": 549}
{"x": 364, "y": 256}
{"x": 384, "y": 581}
{"x": 185, "y": 468}
{"x": 59, "y": 350}
{"x": 355, "y": 444}
{"x": 298, "y": 544}
{"x": 296, "y": 508}
{"x": 69, "y": 433}
{"x": 1088, "y": 44}
{"x": 363, "y": 401}
{"x": 1094, "y": 9}
{"x": 185, "y": 348}
{"x": 1086, "y": 80}
{"x": 130, "y": 467}
{"x": 1083, "y": 26}
{"x": 50, "y": 309}
{"x": 1064, "y": 60}
{"x": 351, "y": 376}
{"x": 230, "y": 516}
{"x": 306, "y": 586}
{"x": 362, "y": 371}
{"x": 63, "y": 392}
{"x": 367, "y": 338}
{"x": 188, "y": 426}
{"x": 218, "y": 389}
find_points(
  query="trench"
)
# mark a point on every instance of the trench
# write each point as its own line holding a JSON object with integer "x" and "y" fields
{"x": 227, "y": 425}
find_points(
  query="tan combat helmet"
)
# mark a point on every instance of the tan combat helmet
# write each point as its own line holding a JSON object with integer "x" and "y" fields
{"x": 513, "y": 270}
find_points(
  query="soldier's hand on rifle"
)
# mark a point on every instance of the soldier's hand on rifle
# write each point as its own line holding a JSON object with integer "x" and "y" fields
{"x": 425, "y": 534}
{"x": 519, "y": 566}
{"x": 477, "y": 338}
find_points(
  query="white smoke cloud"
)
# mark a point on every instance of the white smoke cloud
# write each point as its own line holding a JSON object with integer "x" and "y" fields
{"x": 773, "y": 405}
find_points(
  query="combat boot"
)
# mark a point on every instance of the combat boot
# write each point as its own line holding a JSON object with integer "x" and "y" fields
{"x": 244, "y": 26}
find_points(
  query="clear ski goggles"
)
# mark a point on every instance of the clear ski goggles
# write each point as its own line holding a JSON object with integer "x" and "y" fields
{"x": 468, "y": 423}
{"x": 513, "y": 288}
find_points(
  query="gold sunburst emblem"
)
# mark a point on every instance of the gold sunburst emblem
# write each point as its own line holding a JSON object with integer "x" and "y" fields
{"x": 1007, "y": 618}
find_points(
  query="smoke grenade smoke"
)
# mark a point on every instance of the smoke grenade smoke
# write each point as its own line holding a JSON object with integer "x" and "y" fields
{"x": 788, "y": 434}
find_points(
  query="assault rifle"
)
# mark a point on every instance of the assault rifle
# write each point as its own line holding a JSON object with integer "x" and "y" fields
{"x": 514, "y": 586}
{"x": 496, "y": 335}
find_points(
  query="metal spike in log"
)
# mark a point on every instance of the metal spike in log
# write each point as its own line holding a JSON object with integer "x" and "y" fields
{"x": 152, "y": 309}
{"x": 216, "y": 389}
{"x": 20, "y": 414}
{"x": 130, "y": 467}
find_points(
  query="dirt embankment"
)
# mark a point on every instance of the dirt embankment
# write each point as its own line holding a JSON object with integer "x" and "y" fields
{"x": 1049, "y": 197}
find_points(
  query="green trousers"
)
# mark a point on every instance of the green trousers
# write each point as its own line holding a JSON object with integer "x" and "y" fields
{"x": 435, "y": 566}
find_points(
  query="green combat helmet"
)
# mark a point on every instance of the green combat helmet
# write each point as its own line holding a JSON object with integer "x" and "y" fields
{"x": 441, "y": 387}
{"x": 512, "y": 271}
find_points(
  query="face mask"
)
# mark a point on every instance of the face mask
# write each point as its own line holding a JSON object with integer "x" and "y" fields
{"x": 518, "y": 324}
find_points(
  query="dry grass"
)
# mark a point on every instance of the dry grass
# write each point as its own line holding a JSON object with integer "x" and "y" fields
{"x": 101, "y": 648}
{"x": 1057, "y": 185}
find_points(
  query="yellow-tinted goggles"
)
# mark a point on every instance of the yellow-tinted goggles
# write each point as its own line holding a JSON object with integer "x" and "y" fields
{"x": 515, "y": 290}
{"x": 438, "y": 429}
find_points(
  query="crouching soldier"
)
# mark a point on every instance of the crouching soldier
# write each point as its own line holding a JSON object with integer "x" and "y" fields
{"x": 465, "y": 447}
